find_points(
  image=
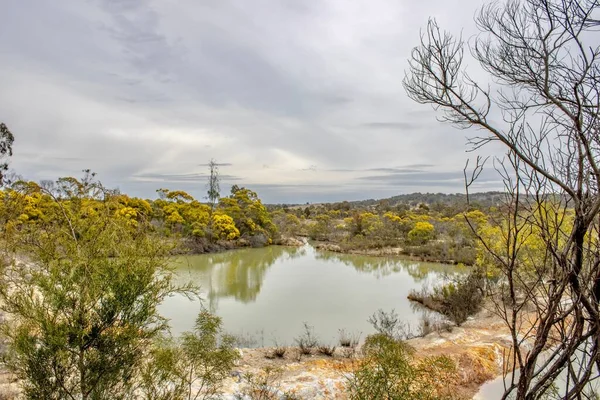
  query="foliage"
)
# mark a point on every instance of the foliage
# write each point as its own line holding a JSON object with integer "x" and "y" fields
{"x": 421, "y": 233}
{"x": 249, "y": 214}
{"x": 288, "y": 224}
{"x": 412, "y": 230}
{"x": 223, "y": 227}
{"x": 276, "y": 352}
{"x": 389, "y": 371}
{"x": 362, "y": 223}
{"x": 458, "y": 299}
{"x": 181, "y": 213}
{"x": 175, "y": 214}
{"x": 320, "y": 228}
{"x": 348, "y": 339}
{"x": 83, "y": 311}
{"x": 264, "y": 385}
{"x": 240, "y": 215}
{"x": 193, "y": 367}
{"x": 461, "y": 298}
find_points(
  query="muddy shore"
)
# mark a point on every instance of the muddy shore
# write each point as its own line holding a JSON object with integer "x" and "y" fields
{"x": 384, "y": 251}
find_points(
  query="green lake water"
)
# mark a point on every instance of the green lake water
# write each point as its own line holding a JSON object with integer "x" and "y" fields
{"x": 268, "y": 293}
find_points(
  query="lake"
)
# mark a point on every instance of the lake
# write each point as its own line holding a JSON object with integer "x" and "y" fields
{"x": 266, "y": 294}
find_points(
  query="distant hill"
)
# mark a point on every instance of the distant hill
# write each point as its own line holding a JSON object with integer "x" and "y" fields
{"x": 484, "y": 199}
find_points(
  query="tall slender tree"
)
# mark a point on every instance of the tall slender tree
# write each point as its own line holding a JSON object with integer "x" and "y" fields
{"x": 6, "y": 141}
{"x": 213, "y": 186}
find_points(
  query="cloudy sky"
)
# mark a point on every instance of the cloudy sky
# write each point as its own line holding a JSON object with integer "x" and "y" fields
{"x": 302, "y": 100}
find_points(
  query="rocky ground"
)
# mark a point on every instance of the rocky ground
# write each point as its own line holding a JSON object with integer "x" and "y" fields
{"x": 477, "y": 348}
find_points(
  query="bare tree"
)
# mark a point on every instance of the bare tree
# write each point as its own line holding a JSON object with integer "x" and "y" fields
{"x": 542, "y": 57}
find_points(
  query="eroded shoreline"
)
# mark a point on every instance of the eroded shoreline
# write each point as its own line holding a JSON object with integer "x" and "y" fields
{"x": 476, "y": 347}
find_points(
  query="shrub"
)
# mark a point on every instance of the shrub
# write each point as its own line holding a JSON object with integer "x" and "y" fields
{"x": 259, "y": 240}
{"x": 456, "y": 300}
{"x": 389, "y": 324}
{"x": 462, "y": 298}
{"x": 224, "y": 228}
{"x": 276, "y": 352}
{"x": 385, "y": 323}
{"x": 326, "y": 350}
{"x": 307, "y": 341}
{"x": 83, "y": 314}
{"x": 279, "y": 352}
{"x": 389, "y": 371}
{"x": 348, "y": 352}
{"x": 264, "y": 385}
{"x": 449, "y": 252}
{"x": 194, "y": 366}
{"x": 428, "y": 325}
{"x": 421, "y": 233}
{"x": 348, "y": 340}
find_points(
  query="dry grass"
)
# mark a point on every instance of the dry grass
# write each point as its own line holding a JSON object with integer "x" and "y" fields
{"x": 326, "y": 350}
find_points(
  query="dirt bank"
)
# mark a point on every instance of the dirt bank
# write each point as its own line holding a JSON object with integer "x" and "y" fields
{"x": 476, "y": 347}
{"x": 379, "y": 251}
{"x": 383, "y": 251}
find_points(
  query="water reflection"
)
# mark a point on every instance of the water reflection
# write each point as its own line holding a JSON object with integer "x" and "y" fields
{"x": 377, "y": 266}
{"x": 275, "y": 289}
{"x": 384, "y": 266}
{"x": 238, "y": 274}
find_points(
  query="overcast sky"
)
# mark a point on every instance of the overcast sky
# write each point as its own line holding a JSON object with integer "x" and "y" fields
{"x": 302, "y": 100}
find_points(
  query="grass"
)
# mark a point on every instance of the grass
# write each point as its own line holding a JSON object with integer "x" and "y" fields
{"x": 326, "y": 350}
{"x": 348, "y": 339}
{"x": 307, "y": 341}
{"x": 276, "y": 352}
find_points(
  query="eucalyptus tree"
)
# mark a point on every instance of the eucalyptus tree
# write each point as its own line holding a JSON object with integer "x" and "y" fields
{"x": 214, "y": 190}
{"x": 6, "y": 141}
{"x": 542, "y": 102}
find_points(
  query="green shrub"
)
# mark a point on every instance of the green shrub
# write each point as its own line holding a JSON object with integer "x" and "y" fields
{"x": 83, "y": 314}
{"x": 193, "y": 367}
{"x": 264, "y": 385}
{"x": 444, "y": 252}
{"x": 456, "y": 300}
{"x": 389, "y": 371}
{"x": 462, "y": 298}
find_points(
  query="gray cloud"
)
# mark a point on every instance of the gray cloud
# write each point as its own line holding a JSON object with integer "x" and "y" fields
{"x": 390, "y": 125}
{"x": 219, "y": 164}
{"x": 395, "y": 170}
{"x": 199, "y": 177}
{"x": 419, "y": 178}
{"x": 145, "y": 92}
